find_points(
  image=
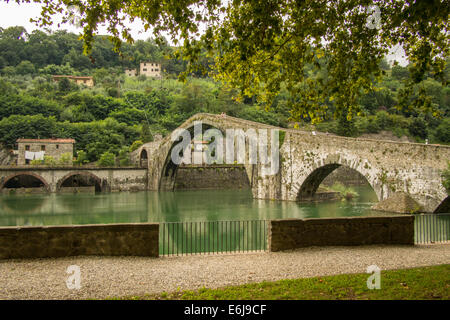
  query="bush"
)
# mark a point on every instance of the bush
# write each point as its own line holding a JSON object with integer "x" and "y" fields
{"x": 418, "y": 128}
{"x": 136, "y": 145}
{"x": 124, "y": 157}
{"x": 107, "y": 159}
{"x": 442, "y": 132}
{"x": 81, "y": 158}
{"x": 65, "y": 159}
{"x": 49, "y": 161}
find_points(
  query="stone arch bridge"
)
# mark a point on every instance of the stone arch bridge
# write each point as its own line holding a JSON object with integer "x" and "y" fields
{"x": 52, "y": 178}
{"x": 306, "y": 158}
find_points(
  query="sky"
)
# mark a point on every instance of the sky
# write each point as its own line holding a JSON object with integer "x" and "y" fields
{"x": 13, "y": 14}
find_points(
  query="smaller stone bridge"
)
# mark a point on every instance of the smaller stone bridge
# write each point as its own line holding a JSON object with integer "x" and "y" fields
{"x": 52, "y": 179}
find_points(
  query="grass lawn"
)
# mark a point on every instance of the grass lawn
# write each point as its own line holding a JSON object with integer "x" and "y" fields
{"x": 417, "y": 283}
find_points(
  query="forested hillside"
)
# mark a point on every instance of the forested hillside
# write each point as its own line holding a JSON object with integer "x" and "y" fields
{"x": 120, "y": 110}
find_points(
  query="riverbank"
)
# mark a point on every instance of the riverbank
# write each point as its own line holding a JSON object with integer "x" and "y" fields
{"x": 105, "y": 277}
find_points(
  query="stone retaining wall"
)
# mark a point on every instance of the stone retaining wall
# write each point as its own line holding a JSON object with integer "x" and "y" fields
{"x": 296, "y": 233}
{"x": 62, "y": 241}
{"x": 194, "y": 177}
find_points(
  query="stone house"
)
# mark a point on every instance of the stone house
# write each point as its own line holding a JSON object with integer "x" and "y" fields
{"x": 131, "y": 72}
{"x": 150, "y": 69}
{"x": 36, "y": 149}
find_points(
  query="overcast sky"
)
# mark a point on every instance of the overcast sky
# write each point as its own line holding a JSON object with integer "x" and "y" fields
{"x": 12, "y": 14}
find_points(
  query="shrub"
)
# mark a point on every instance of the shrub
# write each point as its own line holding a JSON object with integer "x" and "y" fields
{"x": 418, "y": 128}
{"x": 107, "y": 159}
{"x": 136, "y": 145}
{"x": 49, "y": 161}
{"x": 82, "y": 158}
{"x": 65, "y": 159}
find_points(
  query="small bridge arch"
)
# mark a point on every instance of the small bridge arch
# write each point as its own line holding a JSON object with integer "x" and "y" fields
{"x": 24, "y": 180}
{"x": 143, "y": 158}
{"x": 81, "y": 179}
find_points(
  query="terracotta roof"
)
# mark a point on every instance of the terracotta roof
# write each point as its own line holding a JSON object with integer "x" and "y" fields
{"x": 47, "y": 140}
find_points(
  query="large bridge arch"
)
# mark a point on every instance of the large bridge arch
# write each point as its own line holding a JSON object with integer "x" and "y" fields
{"x": 308, "y": 181}
{"x": 4, "y": 182}
{"x": 169, "y": 169}
{"x": 100, "y": 184}
{"x": 444, "y": 206}
{"x": 160, "y": 178}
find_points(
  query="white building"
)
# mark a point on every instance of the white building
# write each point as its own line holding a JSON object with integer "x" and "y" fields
{"x": 150, "y": 69}
{"x": 131, "y": 72}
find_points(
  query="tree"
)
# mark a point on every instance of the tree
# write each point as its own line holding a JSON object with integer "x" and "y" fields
{"x": 418, "y": 128}
{"x": 25, "y": 67}
{"x": 124, "y": 157}
{"x": 81, "y": 158}
{"x": 146, "y": 135}
{"x": 261, "y": 47}
{"x": 107, "y": 159}
{"x": 136, "y": 144}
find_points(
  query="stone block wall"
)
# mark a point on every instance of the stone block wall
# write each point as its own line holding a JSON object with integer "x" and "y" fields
{"x": 347, "y": 231}
{"x": 62, "y": 241}
{"x": 192, "y": 177}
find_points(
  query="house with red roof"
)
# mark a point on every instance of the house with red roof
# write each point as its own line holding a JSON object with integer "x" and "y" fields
{"x": 36, "y": 149}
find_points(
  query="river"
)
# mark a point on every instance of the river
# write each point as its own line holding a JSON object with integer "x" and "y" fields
{"x": 204, "y": 205}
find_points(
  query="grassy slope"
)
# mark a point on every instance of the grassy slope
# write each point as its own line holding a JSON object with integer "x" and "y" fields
{"x": 417, "y": 283}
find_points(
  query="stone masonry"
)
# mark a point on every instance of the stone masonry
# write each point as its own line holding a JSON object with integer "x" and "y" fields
{"x": 62, "y": 241}
{"x": 306, "y": 158}
{"x": 291, "y": 234}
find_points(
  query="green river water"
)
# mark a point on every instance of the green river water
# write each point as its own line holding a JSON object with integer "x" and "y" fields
{"x": 178, "y": 206}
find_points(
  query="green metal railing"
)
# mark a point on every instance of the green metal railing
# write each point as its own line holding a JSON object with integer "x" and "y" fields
{"x": 431, "y": 228}
{"x": 210, "y": 237}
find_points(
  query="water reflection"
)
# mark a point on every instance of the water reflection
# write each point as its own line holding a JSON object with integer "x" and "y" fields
{"x": 207, "y": 205}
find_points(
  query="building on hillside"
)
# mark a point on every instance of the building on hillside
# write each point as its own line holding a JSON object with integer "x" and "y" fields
{"x": 84, "y": 80}
{"x": 36, "y": 149}
{"x": 150, "y": 69}
{"x": 131, "y": 72}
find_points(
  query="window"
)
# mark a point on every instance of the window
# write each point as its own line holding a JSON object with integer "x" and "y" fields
{"x": 27, "y": 148}
{"x": 42, "y": 147}
{"x": 144, "y": 69}
{"x": 57, "y": 146}
{"x": 145, "y": 64}
{"x": 152, "y": 70}
{"x": 156, "y": 70}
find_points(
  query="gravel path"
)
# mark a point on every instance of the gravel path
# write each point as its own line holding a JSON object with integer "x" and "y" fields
{"x": 103, "y": 277}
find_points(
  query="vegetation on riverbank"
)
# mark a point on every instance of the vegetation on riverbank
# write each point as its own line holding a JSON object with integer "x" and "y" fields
{"x": 427, "y": 283}
{"x": 345, "y": 192}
